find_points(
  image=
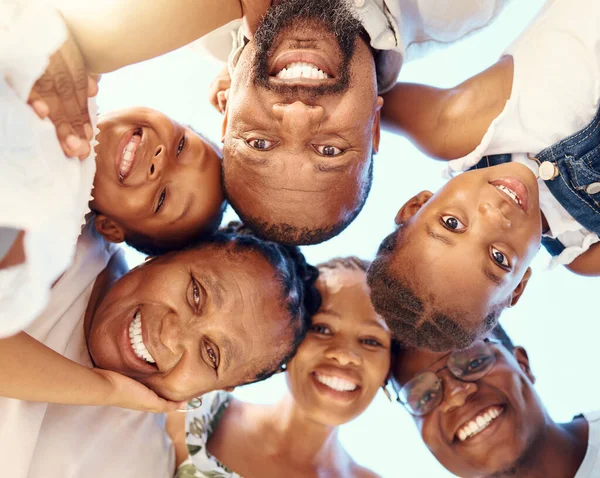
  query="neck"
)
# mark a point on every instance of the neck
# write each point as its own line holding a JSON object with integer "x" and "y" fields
{"x": 559, "y": 451}
{"x": 300, "y": 439}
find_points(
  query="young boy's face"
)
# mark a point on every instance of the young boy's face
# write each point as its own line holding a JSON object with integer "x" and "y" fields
{"x": 467, "y": 248}
{"x": 166, "y": 187}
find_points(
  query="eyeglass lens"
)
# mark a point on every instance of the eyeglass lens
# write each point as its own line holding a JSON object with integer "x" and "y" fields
{"x": 424, "y": 393}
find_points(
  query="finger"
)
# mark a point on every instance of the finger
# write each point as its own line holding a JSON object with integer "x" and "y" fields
{"x": 222, "y": 101}
{"x": 75, "y": 64}
{"x": 92, "y": 87}
{"x": 41, "y": 108}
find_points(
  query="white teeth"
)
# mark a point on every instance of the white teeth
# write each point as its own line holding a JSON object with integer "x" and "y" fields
{"x": 128, "y": 155}
{"x": 301, "y": 70}
{"x": 478, "y": 424}
{"x": 135, "y": 338}
{"x": 336, "y": 383}
{"x": 510, "y": 194}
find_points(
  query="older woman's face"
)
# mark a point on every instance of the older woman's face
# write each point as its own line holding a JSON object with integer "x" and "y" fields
{"x": 194, "y": 321}
{"x": 345, "y": 357}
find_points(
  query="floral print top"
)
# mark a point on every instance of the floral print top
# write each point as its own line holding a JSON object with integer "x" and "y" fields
{"x": 200, "y": 424}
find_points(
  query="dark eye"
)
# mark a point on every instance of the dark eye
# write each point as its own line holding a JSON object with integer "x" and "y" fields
{"x": 328, "y": 150}
{"x": 320, "y": 329}
{"x": 212, "y": 355}
{"x": 161, "y": 200}
{"x": 477, "y": 364}
{"x": 196, "y": 295}
{"x": 500, "y": 258}
{"x": 181, "y": 144}
{"x": 261, "y": 144}
{"x": 452, "y": 223}
{"x": 427, "y": 397}
{"x": 371, "y": 342}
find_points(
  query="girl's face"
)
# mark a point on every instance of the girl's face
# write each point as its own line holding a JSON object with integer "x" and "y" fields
{"x": 154, "y": 177}
{"x": 345, "y": 358}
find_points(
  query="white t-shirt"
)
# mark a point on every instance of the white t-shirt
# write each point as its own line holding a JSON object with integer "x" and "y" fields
{"x": 41, "y": 191}
{"x": 402, "y": 29}
{"x": 555, "y": 93}
{"x": 40, "y": 440}
{"x": 590, "y": 467}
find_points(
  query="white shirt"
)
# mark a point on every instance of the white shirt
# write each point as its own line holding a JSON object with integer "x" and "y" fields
{"x": 41, "y": 191}
{"x": 590, "y": 467}
{"x": 555, "y": 93}
{"x": 40, "y": 440}
{"x": 402, "y": 29}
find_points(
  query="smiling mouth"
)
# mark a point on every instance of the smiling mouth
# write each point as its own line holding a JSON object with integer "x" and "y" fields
{"x": 514, "y": 190}
{"x": 336, "y": 383}
{"x": 136, "y": 340}
{"x": 128, "y": 154}
{"x": 297, "y": 70}
{"x": 479, "y": 423}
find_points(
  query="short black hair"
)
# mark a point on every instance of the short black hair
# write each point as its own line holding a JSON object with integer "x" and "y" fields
{"x": 415, "y": 320}
{"x": 286, "y": 233}
{"x": 294, "y": 274}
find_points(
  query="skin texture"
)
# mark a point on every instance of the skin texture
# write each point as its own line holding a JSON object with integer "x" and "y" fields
{"x": 523, "y": 441}
{"x": 211, "y": 319}
{"x": 297, "y": 437}
{"x": 189, "y": 177}
{"x": 275, "y": 142}
{"x": 487, "y": 223}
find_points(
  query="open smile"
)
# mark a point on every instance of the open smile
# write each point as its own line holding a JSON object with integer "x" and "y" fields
{"x": 126, "y": 152}
{"x": 133, "y": 346}
{"x": 514, "y": 190}
{"x": 335, "y": 386}
{"x": 484, "y": 420}
{"x": 302, "y": 67}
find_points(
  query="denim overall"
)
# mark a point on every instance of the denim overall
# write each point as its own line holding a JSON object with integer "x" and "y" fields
{"x": 576, "y": 187}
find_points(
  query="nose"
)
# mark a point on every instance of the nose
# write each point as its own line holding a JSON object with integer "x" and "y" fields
{"x": 157, "y": 163}
{"x": 343, "y": 353}
{"x": 171, "y": 334}
{"x": 494, "y": 215}
{"x": 456, "y": 393}
{"x": 299, "y": 117}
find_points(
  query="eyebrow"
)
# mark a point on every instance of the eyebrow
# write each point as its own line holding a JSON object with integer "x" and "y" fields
{"x": 215, "y": 289}
{"x": 226, "y": 352}
{"x": 439, "y": 237}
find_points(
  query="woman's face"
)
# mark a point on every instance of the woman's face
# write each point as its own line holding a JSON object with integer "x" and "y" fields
{"x": 154, "y": 177}
{"x": 190, "y": 322}
{"x": 345, "y": 358}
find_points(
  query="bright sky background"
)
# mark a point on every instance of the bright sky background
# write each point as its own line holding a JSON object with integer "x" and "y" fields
{"x": 555, "y": 318}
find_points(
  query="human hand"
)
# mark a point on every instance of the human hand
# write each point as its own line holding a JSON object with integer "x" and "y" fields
{"x": 218, "y": 90}
{"x": 127, "y": 393}
{"x": 61, "y": 94}
{"x": 252, "y": 12}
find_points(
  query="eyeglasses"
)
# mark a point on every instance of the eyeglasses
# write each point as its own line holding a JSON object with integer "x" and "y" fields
{"x": 424, "y": 392}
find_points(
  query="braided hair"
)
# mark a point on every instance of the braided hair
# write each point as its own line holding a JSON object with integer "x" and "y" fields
{"x": 296, "y": 277}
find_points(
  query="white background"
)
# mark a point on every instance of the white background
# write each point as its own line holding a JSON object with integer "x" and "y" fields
{"x": 556, "y": 320}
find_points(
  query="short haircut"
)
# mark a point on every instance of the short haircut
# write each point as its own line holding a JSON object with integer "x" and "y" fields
{"x": 500, "y": 334}
{"x": 413, "y": 319}
{"x": 286, "y": 233}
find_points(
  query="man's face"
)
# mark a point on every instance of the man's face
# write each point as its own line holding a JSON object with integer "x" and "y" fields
{"x": 208, "y": 318}
{"x": 472, "y": 242}
{"x": 302, "y": 118}
{"x": 167, "y": 187}
{"x": 507, "y": 391}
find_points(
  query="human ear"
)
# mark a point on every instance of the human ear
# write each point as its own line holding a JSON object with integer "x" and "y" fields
{"x": 376, "y": 129}
{"x": 412, "y": 206}
{"x": 523, "y": 360}
{"x": 110, "y": 230}
{"x": 516, "y": 295}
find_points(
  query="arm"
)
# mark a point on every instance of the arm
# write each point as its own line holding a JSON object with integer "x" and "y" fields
{"x": 31, "y": 371}
{"x": 115, "y": 33}
{"x": 176, "y": 429}
{"x": 449, "y": 123}
{"x": 588, "y": 263}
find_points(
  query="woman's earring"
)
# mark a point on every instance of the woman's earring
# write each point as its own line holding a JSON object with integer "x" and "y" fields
{"x": 387, "y": 392}
{"x": 193, "y": 404}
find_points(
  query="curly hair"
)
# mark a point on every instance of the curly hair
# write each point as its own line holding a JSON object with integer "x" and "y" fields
{"x": 413, "y": 319}
{"x": 296, "y": 277}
